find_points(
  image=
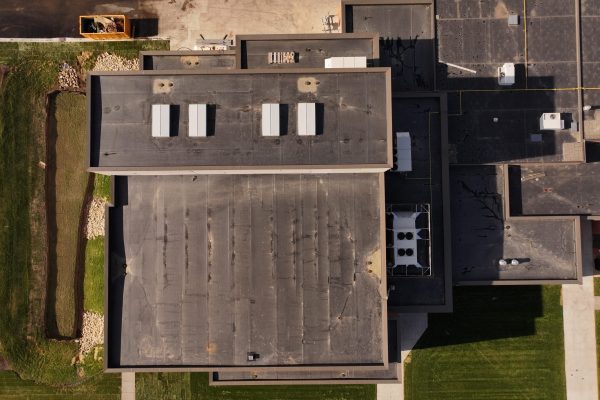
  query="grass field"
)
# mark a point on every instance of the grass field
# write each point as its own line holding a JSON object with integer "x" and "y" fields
{"x": 93, "y": 283}
{"x": 596, "y": 286}
{"x": 194, "y": 386}
{"x": 67, "y": 187}
{"x": 500, "y": 343}
{"x": 33, "y": 70}
{"x": 12, "y": 388}
{"x": 102, "y": 186}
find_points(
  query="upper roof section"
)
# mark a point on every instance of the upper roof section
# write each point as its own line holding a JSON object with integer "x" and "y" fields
{"x": 353, "y": 121}
{"x": 309, "y": 50}
{"x": 187, "y": 60}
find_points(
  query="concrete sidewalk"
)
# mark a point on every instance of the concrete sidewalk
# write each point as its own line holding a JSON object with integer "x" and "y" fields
{"x": 410, "y": 328}
{"x": 128, "y": 386}
{"x": 580, "y": 340}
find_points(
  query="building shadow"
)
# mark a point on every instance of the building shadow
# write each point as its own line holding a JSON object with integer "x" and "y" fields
{"x": 407, "y": 48}
{"x": 489, "y": 123}
{"x": 484, "y": 313}
{"x": 425, "y": 288}
{"x": 116, "y": 273}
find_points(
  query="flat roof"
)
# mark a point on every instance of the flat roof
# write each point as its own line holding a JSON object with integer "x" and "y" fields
{"x": 287, "y": 266}
{"x": 311, "y": 49}
{"x": 353, "y": 120}
{"x": 408, "y": 42}
{"x": 393, "y": 374}
{"x": 483, "y": 233}
{"x": 187, "y": 60}
{"x": 424, "y": 117}
{"x": 556, "y": 189}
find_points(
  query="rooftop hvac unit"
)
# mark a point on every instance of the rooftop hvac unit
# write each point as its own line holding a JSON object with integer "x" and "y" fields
{"x": 513, "y": 19}
{"x": 403, "y": 152}
{"x": 307, "y": 120}
{"x": 161, "y": 120}
{"x": 551, "y": 122}
{"x": 197, "y": 120}
{"x": 346, "y": 62}
{"x": 270, "y": 119}
{"x": 281, "y": 57}
{"x": 506, "y": 74}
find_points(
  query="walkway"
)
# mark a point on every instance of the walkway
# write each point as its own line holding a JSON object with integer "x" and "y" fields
{"x": 580, "y": 340}
{"x": 128, "y": 386}
{"x": 411, "y": 328}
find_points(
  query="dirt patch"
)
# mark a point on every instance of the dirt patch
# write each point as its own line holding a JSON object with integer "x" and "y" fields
{"x": 3, "y": 364}
{"x": 4, "y": 70}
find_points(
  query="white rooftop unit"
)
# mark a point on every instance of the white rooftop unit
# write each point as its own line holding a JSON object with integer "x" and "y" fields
{"x": 270, "y": 119}
{"x": 506, "y": 74}
{"x": 551, "y": 122}
{"x": 161, "y": 120}
{"x": 334, "y": 62}
{"x": 346, "y": 62}
{"x": 197, "y": 120}
{"x": 403, "y": 152}
{"x": 307, "y": 119}
{"x": 405, "y": 238}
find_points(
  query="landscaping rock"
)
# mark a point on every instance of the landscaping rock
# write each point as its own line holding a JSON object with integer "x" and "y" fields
{"x": 111, "y": 62}
{"x": 95, "y": 219}
{"x": 92, "y": 333}
{"x": 68, "y": 77}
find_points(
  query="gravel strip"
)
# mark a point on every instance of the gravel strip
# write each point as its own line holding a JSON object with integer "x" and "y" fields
{"x": 111, "y": 62}
{"x": 95, "y": 219}
{"x": 92, "y": 333}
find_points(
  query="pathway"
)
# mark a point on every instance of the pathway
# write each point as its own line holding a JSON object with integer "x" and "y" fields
{"x": 411, "y": 328}
{"x": 580, "y": 340}
{"x": 128, "y": 386}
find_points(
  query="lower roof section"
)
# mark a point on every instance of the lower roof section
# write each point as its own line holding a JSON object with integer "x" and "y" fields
{"x": 279, "y": 376}
{"x": 547, "y": 249}
{"x": 203, "y": 270}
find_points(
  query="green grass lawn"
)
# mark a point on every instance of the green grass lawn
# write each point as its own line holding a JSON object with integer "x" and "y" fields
{"x": 194, "y": 386}
{"x": 500, "y": 343}
{"x": 33, "y": 71}
{"x": 596, "y": 286}
{"x": 93, "y": 283}
{"x": 102, "y": 186}
{"x": 12, "y": 388}
{"x": 67, "y": 186}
